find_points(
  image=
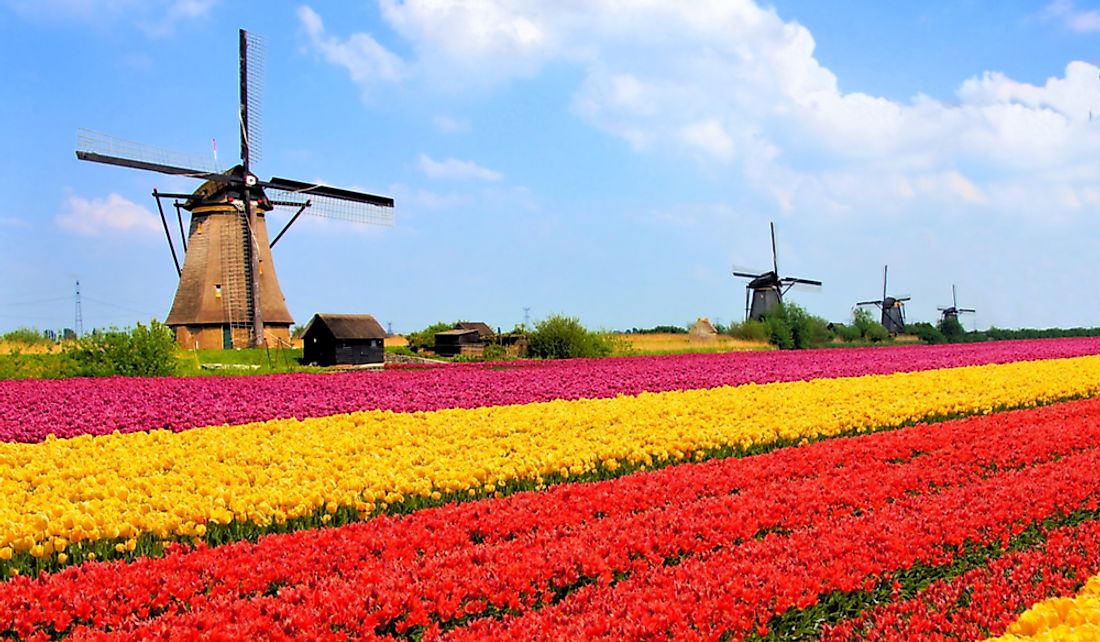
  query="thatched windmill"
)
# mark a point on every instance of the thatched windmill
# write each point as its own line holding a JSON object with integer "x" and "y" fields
{"x": 765, "y": 290}
{"x": 228, "y": 294}
{"x": 893, "y": 308}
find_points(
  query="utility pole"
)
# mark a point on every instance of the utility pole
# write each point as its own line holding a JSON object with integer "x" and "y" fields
{"x": 526, "y": 317}
{"x": 79, "y": 325}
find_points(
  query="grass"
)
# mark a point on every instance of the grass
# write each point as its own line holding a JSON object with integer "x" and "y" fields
{"x": 631, "y": 344}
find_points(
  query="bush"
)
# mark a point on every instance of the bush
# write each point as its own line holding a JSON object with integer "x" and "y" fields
{"x": 144, "y": 351}
{"x": 790, "y": 327}
{"x": 749, "y": 330}
{"x": 926, "y": 332}
{"x": 951, "y": 329}
{"x": 28, "y": 336}
{"x": 867, "y": 328}
{"x": 425, "y": 339}
{"x": 561, "y": 337}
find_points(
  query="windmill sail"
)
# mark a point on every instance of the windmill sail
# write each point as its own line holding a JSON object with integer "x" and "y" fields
{"x": 227, "y": 283}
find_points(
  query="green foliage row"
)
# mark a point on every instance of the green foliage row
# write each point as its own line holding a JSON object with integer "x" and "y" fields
{"x": 659, "y": 329}
{"x": 562, "y": 337}
{"x": 143, "y": 351}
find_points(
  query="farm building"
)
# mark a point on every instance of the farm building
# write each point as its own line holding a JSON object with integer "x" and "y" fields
{"x": 484, "y": 331}
{"x": 344, "y": 339}
{"x": 703, "y": 329}
{"x": 450, "y": 343}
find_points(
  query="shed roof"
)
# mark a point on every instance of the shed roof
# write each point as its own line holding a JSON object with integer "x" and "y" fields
{"x": 482, "y": 328}
{"x": 457, "y": 332}
{"x": 348, "y": 326}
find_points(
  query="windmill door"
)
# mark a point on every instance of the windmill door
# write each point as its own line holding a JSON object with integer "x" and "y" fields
{"x": 227, "y": 337}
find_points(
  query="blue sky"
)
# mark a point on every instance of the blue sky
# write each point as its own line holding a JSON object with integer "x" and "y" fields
{"x": 574, "y": 157}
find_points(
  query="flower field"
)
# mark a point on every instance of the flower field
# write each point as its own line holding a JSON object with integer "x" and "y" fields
{"x": 945, "y": 493}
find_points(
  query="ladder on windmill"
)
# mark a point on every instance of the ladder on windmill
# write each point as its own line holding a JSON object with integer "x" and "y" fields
{"x": 236, "y": 276}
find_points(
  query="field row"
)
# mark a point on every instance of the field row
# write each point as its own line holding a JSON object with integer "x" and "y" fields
{"x": 228, "y": 482}
{"x": 31, "y": 410}
{"x": 695, "y": 551}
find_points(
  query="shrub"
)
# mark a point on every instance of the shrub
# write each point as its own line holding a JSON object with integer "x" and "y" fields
{"x": 28, "y": 336}
{"x": 425, "y": 339}
{"x": 749, "y": 330}
{"x": 926, "y": 332}
{"x": 951, "y": 329}
{"x": 144, "y": 351}
{"x": 562, "y": 337}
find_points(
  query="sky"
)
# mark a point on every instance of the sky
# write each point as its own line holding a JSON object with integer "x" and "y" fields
{"x": 611, "y": 160}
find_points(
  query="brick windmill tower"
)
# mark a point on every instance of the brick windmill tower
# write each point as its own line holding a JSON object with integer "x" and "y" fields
{"x": 228, "y": 294}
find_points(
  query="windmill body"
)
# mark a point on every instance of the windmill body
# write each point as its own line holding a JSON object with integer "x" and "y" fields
{"x": 228, "y": 294}
{"x": 893, "y": 308}
{"x": 952, "y": 312}
{"x": 765, "y": 290}
{"x": 213, "y": 306}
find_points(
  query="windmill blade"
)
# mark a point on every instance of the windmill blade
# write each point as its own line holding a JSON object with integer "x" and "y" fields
{"x": 967, "y": 310}
{"x": 902, "y": 299}
{"x": 748, "y": 275}
{"x": 252, "y": 55}
{"x": 794, "y": 280}
{"x": 316, "y": 189}
{"x": 869, "y": 303}
{"x": 326, "y": 206}
{"x": 775, "y": 257}
{"x": 98, "y": 147}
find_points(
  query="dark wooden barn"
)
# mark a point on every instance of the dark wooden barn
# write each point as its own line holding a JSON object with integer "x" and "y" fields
{"x": 483, "y": 330}
{"x": 450, "y": 343}
{"x": 344, "y": 339}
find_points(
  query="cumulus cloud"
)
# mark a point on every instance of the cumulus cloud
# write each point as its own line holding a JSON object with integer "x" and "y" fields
{"x": 105, "y": 216}
{"x": 453, "y": 168}
{"x": 361, "y": 55}
{"x": 1074, "y": 19}
{"x": 731, "y": 81}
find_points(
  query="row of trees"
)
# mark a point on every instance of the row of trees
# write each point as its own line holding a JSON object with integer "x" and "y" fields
{"x": 142, "y": 351}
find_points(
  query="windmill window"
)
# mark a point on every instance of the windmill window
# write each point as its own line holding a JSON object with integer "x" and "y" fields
{"x": 218, "y": 291}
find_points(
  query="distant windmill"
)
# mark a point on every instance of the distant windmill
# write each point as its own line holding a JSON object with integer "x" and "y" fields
{"x": 228, "y": 294}
{"x": 954, "y": 311}
{"x": 893, "y": 308}
{"x": 765, "y": 290}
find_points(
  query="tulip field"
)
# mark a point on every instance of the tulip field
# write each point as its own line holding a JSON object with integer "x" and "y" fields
{"x": 895, "y": 493}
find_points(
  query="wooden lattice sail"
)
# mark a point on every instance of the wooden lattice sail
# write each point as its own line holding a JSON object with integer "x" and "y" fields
{"x": 228, "y": 294}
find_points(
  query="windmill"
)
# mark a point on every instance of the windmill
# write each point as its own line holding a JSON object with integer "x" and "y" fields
{"x": 228, "y": 293}
{"x": 893, "y": 308}
{"x": 765, "y": 290}
{"x": 954, "y": 311}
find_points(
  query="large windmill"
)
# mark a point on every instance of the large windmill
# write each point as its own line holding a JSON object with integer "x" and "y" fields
{"x": 765, "y": 290}
{"x": 228, "y": 294}
{"x": 893, "y": 308}
{"x": 953, "y": 311}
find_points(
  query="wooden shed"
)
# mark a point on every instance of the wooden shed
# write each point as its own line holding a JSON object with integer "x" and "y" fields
{"x": 344, "y": 339}
{"x": 451, "y": 343}
{"x": 486, "y": 333}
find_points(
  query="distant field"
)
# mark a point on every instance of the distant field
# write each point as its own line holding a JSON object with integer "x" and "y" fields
{"x": 24, "y": 348}
{"x": 672, "y": 343}
{"x": 396, "y": 341}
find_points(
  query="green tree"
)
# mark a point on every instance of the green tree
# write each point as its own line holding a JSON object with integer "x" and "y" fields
{"x": 562, "y": 337}
{"x": 951, "y": 329}
{"x": 144, "y": 351}
{"x": 425, "y": 339}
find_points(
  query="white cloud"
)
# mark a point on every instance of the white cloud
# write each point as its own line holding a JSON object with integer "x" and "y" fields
{"x": 730, "y": 81}
{"x": 1074, "y": 19}
{"x": 453, "y": 168}
{"x": 451, "y": 125}
{"x": 361, "y": 55}
{"x": 105, "y": 216}
{"x": 154, "y": 17}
